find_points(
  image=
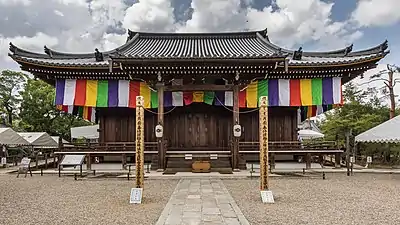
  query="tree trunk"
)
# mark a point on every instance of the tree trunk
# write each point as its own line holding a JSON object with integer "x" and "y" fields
{"x": 391, "y": 94}
{"x": 10, "y": 117}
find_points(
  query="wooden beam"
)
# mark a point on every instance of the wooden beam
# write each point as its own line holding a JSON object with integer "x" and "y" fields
{"x": 199, "y": 87}
{"x": 235, "y": 150}
{"x": 160, "y": 119}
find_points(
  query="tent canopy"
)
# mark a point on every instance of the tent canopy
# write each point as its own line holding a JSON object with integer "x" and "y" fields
{"x": 9, "y": 137}
{"x": 39, "y": 139}
{"x": 88, "y": 132}
{"x": 310, "y": 134}
{"x": 386, "y": 132}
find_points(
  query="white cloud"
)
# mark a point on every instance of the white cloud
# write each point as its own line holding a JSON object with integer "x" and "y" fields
{"x": 215, "y": 16}
{"x": 15, "y": 2}
{"x": 150, "y": 15}
{"x": 377, "y": 12}
{"x": 298, "y": 22}
{"x": 35, "y": 43}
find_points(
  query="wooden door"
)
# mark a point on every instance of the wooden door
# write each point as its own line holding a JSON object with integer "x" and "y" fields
{"x": 198, "y": 126}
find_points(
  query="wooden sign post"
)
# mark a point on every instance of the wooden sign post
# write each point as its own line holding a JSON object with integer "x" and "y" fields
{"x": 136, "y": 193}
{"x": 266, "y": 195}
{"x": 139, "y": 142}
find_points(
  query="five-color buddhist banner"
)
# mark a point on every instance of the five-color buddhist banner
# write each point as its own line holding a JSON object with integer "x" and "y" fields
{"x": 122, "y": 93}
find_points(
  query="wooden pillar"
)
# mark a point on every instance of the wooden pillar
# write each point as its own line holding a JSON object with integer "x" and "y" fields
{"x": 338, "y": 157}
{"x": 235, "y": 149}
{"x": 124, "y": 159}
{"x": 160, "y": 121}
{"x": 272, "y": 165}
{"x": 45, "y": 160}
{"x": 308, "y": 161}
{"x": 88, "y": 162}
{"x": 60, "y": 149}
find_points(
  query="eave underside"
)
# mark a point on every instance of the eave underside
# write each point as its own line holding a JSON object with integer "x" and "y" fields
{"x": 247, "y": 72}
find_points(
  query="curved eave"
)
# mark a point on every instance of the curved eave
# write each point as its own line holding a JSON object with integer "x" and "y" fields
{"x": 334, "y": 53}
{"x": 52, "y": 54}
{"x": 372, "y": 59}
{"x": 38, "y": 63}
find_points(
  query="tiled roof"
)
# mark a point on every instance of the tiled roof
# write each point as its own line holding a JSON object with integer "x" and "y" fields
{"x": 193, "y": 46}
{"x": 203, "y": 46}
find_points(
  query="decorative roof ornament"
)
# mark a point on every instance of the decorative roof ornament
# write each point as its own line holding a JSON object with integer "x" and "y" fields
{"x": 131, "y": 34}
{"x": 298, "y": 54}
{"x": 98, "y": 55}
{"x": 48, "y": 51}
{"x": 383, "y": 46}
{"x": 264, "y": 33}
{"x": 13, "y": 48}
{"x": 348, "y": 49}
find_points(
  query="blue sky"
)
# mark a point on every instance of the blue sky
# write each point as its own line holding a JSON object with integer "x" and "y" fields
{"x": 82, "y": 25}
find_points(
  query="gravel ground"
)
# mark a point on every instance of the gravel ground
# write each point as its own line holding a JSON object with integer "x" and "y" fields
{"x": 360, "y": 199}
{"x": 53, "y": 200}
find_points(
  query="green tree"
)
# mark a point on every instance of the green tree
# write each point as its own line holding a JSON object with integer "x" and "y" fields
{"x": 362, "y": 111}
{"x": 38, "y": 112}
{"x": 10, "y": 84}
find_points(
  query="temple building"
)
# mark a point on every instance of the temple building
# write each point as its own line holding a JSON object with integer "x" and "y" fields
{"x": 198, "y": 86}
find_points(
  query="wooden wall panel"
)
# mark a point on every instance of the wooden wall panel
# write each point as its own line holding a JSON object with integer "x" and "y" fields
{"x": 197, "y": 125}
{"x": 282, "y": 124}
{"x": 118, "y": 125}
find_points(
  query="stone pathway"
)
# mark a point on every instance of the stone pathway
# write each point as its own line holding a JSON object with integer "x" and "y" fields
{"x": 201, "y": 201}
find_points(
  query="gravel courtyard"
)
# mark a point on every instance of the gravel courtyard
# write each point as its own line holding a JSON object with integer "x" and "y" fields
{"x": 53, "y": 200}
{"x": 362, "y": 199}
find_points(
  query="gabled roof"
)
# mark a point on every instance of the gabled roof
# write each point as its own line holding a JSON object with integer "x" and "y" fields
{"x": 9, "y": 137}
{"x": 386, "y": 132}
{"x": 199, "y": 46}
{"x": 40, "y": 139}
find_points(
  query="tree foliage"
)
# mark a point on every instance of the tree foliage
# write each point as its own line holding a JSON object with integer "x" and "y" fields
{"x": 10, "y": 84}
{"x": 362, "y": 111}
{"x": 28, "y": 105}
{"x": 38, "y": 112}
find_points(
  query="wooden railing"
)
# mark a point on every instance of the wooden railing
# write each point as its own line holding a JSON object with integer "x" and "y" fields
{"x": 108, "y": 146}
{"x": 288, "y": 146}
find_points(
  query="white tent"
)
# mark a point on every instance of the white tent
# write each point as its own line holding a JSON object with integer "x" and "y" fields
{"x": 9, "y": 137}
{"x": 387, "y": 132}
{"x": 39, "y": 139}
{"x": 88, "y": 132}
{"x": 310, "y": 134}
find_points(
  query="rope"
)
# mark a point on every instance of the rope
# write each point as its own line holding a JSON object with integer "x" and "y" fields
{"x": 231, "y": 110}
{"x": 156, "y": 113}
{"x": 250, "y": 111}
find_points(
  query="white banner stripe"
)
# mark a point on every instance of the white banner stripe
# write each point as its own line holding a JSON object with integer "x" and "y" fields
{"x": 69, "y": 92}
{"x": 336, "y": 86}
{"x": 284, "y": 92}
{"x": 123, "y": 93}
{"x": 228, "y": 98}
{"x": 177, "y": 98}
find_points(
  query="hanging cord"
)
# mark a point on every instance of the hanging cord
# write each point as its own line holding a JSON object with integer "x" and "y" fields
{"x": 156, "y": 113}
{"x": 250, "y": 111}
